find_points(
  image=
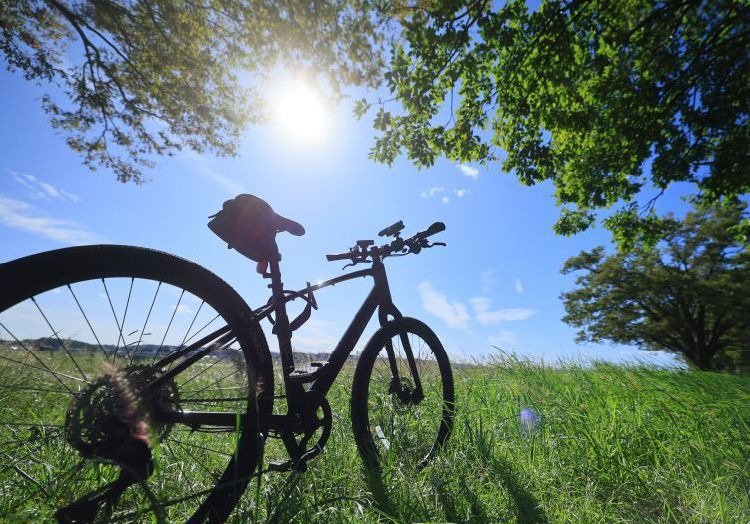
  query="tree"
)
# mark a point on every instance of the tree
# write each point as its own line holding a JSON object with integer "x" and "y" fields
{"x": 614, "y": 102}
{"x": 146, "y": 77}
{"x": 689, "y": 295}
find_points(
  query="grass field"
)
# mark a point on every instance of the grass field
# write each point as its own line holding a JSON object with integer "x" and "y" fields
{"x": 610, "y": 444}
{"x": 616, "y": 445}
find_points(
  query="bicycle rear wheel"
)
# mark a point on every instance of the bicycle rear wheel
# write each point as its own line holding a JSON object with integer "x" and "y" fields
{"x": 129, "y": 383}
{"x": 393, "y": 422}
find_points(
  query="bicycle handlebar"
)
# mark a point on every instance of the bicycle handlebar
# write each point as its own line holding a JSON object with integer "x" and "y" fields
{"x": 398, "y": 247}
{"x": 341, "y": 256}
{"x": 436, "y": 227}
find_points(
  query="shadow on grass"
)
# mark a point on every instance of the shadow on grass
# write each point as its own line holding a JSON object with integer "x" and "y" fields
{"x": 382, "y": 502}
{"x": 525, "y": 506}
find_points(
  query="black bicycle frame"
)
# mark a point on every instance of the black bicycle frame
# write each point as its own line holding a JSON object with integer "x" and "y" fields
{"x": 323, "y": 377}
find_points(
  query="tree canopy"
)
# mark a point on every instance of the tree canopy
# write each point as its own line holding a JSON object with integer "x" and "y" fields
{"x": 614, "y": 102}
{"x": 150, "y": 77}
{"x": 690, "y": 295}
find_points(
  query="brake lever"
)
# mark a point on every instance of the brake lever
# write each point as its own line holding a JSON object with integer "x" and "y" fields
{"x": 436, "y": 244}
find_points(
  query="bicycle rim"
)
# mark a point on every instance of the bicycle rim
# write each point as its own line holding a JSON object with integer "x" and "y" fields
{"x": 88, "y": 337}
{"x": 392, "y": 426}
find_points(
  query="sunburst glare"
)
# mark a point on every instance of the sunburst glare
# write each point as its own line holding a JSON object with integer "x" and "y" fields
{"x": 300, "y": 112}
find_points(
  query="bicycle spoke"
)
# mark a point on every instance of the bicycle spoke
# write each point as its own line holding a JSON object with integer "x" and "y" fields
{"x": 201, "y": 372}
{"x": 55, "y": 334}
{"x": 187, "y": 332}
{"x": 44, "y": 366}
{"x": 197, "y": 446}
{"x": 121, "y": 326}
{"x": 114, "y": 315}
{"x": 99, "y": 342}
{"x": 24, "y": 474}
{"x": 86, "y": 318}
{"x": 235, "y": 372}
{"x": 201, "y": 329}
{"x": 195, "y": 460}
{"x": 176, "y": 307}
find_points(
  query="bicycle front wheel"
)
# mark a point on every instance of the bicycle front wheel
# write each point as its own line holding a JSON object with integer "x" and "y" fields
{"x": 128, "y": 381}
{"x": 402, "y": 412}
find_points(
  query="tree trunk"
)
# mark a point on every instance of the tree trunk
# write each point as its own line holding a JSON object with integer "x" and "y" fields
{"x": 704, "y": 357}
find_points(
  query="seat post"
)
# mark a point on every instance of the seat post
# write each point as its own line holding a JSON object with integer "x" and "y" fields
{"x": 281, "y": 326}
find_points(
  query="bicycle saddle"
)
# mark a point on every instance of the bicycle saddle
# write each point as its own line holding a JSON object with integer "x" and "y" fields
{"x": 249, "y": 225}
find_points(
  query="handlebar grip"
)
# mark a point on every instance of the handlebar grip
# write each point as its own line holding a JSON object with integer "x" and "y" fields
{"x": 340, "y": 256}
{"x": 436, "y": 227}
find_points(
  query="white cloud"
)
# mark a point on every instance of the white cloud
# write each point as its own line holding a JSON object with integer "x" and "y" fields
{"x": 503, "y": 338}
{"x": 445, "y": 200}
{"x": 454, "y": 314}
{"x": 40, "y": 189}
{"x": 469, "y": 171}
{"x": 182, "y": 308}
{"x": 487, "y": 316}
{"x": 70, "y": 196}
{"x": 460, "y": 193}
{"x": 17, "y": 214}
{"x": 429, "y": 193}
{"x": 519, "y": 286}
{"x": 488, "y": 280}
{"x": 316, "y": 336}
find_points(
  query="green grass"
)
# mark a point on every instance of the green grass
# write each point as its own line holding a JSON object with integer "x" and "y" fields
{"x": 617, "y": 445}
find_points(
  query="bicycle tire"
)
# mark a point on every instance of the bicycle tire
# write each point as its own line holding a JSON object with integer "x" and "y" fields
{"x": 104, "y": 396}
{"x": 387, "y": 428}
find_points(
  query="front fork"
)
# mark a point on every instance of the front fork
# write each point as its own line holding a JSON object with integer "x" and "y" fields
{"x": 397, "y": 385}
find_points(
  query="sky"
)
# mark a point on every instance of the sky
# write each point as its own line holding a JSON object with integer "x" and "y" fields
{"x": 494, "y": 289}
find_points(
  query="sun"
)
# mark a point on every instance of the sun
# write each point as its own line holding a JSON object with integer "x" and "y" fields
{"x": 300, "y": 112}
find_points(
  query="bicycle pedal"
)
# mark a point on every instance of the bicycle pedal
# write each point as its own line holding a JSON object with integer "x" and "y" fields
{"x": 317, "y": 364}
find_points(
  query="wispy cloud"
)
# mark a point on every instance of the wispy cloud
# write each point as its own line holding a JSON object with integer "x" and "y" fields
{"x": 469, "y": 171}
{"x": 445, "y": 200}
{"x": 487, "y": 316}
{"x": 429, "y": 193}
{"x": 315, "y": 336}
{"x": 503, "y": 338}
{"x": 488, "y": 280}
{"x": 20, "y": 215}
{"x": 203, "y": 168}
{"x": 460, "y": 193}
{"x": 40, "y": 189}
{"x": 519, "y": 286}
{"x": 454, "y": 314}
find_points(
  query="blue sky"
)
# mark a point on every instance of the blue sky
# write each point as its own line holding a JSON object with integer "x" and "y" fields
{"x": 496, "y": 284}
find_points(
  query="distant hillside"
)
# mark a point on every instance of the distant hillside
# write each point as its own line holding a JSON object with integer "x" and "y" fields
{"x": 134, "y": 350}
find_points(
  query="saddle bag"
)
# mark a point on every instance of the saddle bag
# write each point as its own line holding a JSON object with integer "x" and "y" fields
{"x": 248, "y": 224}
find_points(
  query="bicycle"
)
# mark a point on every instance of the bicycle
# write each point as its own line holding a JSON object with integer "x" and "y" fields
{"x": 111, "y": 413}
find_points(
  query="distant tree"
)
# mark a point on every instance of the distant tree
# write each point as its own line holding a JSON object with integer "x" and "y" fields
{"x": 146, "y": 77}
{"x": 689, "y": 295}
{"x": 614, "y": 102}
